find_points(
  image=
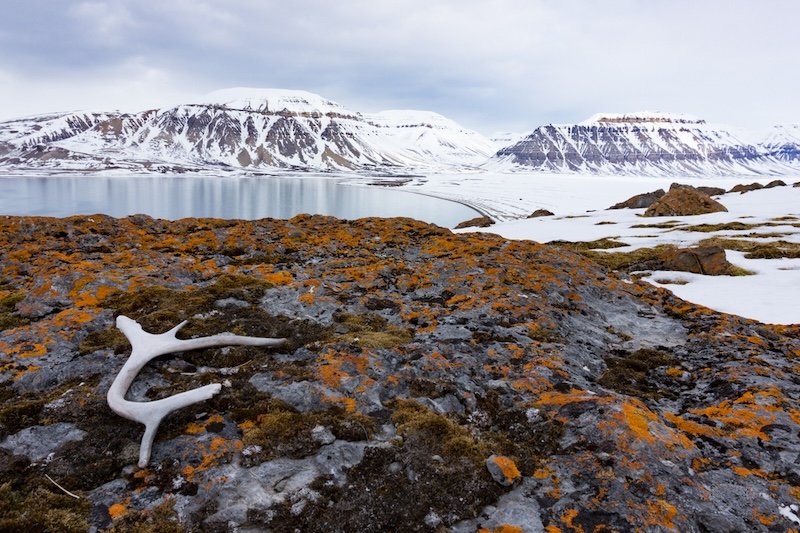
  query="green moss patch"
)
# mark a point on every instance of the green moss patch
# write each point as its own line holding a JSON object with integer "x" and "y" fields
{"x": 371, "y": 331}
{"x": 631, "y": 373}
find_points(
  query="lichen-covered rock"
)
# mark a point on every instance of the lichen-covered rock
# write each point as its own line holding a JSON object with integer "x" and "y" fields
{"x": 478, "y": 222}
{"x": 683, "y": 201}
{"x": 502, "y": 469}
{"x": 708, "y": 260}
{"x": 413, "y": 354}
{"x": 640, "y": 201}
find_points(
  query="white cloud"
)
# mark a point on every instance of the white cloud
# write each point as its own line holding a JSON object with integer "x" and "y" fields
{"x": 498, "y": 64}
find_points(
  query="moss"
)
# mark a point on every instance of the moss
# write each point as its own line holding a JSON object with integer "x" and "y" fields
{"x": 599, "y": 244}
{"x": 661, "y": 225}
{"x": 371, "y": 331}
{"x": 109, "y": 338}
{"x": 162, "y": 519}
{"x": 20, "y": 413}
{"x": 282, "y": 431}
{"x": 393, "y": 488}
{"x": 724, "y": 226}
{"x": 626, "y": 260}
{"x": 631, "y": 373}
{"x": 431, "y": 431}
{"x": 8, "y": 303}
{"x": 39, "y": 509}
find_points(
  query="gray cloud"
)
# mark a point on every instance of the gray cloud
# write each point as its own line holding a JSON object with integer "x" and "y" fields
{"x": 492, "y": 65}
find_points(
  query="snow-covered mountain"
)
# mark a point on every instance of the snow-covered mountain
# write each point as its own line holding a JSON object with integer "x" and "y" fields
{"x": 645, "y": 143}
{"x": 783, "y": 143}
{"x": 244, "y": 128}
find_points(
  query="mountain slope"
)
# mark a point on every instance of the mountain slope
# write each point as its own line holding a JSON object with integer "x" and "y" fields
{"x": 246, "y": 128}
{"x": 640, "y": 143}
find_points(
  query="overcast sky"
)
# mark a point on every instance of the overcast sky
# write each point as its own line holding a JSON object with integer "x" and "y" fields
{"x": 492, "y": 65}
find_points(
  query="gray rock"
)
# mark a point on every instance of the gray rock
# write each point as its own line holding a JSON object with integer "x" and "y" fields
{"x": 37, "y": 442}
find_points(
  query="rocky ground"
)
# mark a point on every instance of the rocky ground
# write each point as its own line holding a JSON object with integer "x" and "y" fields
{"x": 431, "y": 381}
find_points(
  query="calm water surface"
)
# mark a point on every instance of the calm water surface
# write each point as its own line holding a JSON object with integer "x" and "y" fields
{"x": 174, "y": 197}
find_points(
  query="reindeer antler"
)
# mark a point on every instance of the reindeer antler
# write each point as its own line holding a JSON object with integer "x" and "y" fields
{"x": 146, "y": 347}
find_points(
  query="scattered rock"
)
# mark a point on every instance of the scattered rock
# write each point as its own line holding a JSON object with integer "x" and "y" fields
{"x": 797, "y": 184}
{"x": 682, "y": 201}
{"x": 775, "y": 183}
{"x": 742, "y": 188}
{"x": 640, "y": 201}
{"x": 478, "y": 222}
{"x": 503, "y": 470}
{"x": 541, "y": 213}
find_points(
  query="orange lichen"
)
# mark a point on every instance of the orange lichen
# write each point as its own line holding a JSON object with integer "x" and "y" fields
{"x": 503, "y": 528}
{"x": 661, "y": 513}
{"x": 567, "y": 518}
{"x": 117, "y": 510}
{"x": 508, "y": 468}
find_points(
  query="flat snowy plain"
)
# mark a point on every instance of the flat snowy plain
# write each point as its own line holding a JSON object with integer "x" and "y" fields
{"x": 580, "y": 203}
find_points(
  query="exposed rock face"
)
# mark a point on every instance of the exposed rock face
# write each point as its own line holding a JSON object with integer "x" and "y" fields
{"x": 709, "y": 260}
{"x": 641, "y": 143}
{"x": 682, "y": 201}
{"x": 243, "y": 128}
{"x": 640, "y": 201}
{"x": 478, "y": 222}
{"x": 414, "y": 356}
{"x": 775, "y": 183}
{"x": 541, "y": 213}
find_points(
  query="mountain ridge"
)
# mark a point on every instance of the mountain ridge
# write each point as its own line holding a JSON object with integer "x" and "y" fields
{"x": 247, "y": 129}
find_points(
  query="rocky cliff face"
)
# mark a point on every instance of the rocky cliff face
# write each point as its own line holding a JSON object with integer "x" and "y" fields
{"x": 431, "y": 381}
{"x": 244, "y": 128}
{"x": 643, "y": 143}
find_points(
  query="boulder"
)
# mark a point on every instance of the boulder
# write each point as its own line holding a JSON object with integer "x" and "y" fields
{"x": 711, "y": 191}
{"x": 775, "y": 183}
{"x": 640, "y": 201}
{"x": 683, "y": 201}
{"x": 708, "y": 260}
{"x": 742, "y": 188}
{"x": 477, "y": 222}
{"x": 541, "y": 213}
{"x": 796, "y": 184}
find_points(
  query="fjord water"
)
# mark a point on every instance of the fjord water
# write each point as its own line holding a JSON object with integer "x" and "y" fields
{"x": 174, "y": 197}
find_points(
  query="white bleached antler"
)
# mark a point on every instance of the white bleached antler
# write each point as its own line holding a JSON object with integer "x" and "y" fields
{"x": 146, "y": 347}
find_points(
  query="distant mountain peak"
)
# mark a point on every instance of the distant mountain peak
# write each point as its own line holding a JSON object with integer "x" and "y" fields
{"x": 648, "y": 117}
{"x": 273, "y": 100}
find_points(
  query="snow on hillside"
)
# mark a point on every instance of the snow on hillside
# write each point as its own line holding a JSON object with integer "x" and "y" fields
{"x": 246, "y": 129}
{"x": 645, "y": 143}
{"x": 580, "y": 205}
{"x": 274, "y": 100}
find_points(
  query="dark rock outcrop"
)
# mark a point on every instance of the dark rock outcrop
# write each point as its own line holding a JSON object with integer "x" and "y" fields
{"x": 640, "y": 201}
{"x": 541, "y": 213}
{"x": 742, "y": 188}
{"x": 708, "y": 260}
{"x": 775, "y": 183}
{"x": 683, "y": 201}
{"x": 477, "y": 222}
{"x": 414, "y": 355}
